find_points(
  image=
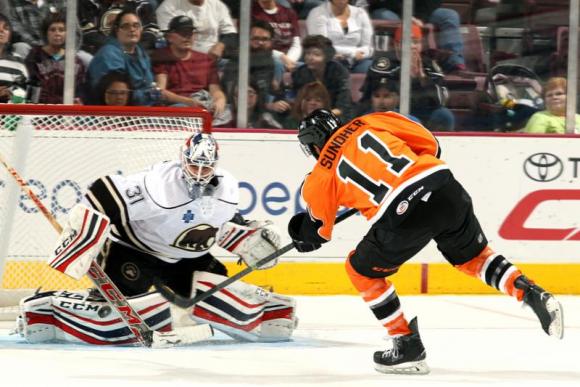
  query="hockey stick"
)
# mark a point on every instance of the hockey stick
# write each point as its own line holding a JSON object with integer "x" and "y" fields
{"x": 184, "y": 302}
{"x": 144, "y": 335}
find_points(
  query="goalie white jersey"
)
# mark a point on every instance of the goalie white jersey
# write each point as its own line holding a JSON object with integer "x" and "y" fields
{"x": 152, "y": 212}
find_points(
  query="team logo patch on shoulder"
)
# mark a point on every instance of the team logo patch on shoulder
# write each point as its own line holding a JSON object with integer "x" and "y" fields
{"x": 382, "y": 63}
{"x": 130, "y": 271}
{"x": 198, "y": 238}
{"x": 402, "y": 207}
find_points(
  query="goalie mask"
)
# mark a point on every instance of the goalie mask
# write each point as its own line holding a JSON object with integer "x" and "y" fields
{"x": 199, "y": 158}
{"x": 316, "y": 129}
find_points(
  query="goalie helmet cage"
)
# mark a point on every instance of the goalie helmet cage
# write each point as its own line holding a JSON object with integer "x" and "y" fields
{"x": 59, "y": 150}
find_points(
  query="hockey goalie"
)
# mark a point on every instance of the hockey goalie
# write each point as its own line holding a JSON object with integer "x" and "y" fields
{"x": 161, "y": 224}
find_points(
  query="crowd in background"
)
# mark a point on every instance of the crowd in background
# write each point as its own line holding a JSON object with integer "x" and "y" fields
{"x": 304, "y": 54}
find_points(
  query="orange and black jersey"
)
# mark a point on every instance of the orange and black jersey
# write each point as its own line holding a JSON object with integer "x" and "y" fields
{"x": 380, "y": 164}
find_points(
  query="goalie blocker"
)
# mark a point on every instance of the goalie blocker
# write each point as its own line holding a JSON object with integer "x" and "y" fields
{"x": 244, "y": 312}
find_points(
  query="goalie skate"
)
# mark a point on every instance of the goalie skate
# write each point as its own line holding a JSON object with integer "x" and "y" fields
{"x": 545, "y": 306}
{"x": 406, "y": 356}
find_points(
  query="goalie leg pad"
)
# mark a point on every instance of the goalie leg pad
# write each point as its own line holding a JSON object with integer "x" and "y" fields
{"x": 77, "y": 318}
{"x": 81, "y": 240}
{"x": 244, "y": 312}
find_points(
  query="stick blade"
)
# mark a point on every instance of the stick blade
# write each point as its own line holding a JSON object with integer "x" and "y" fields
{"x": 168, "y": 293}
{"x": 182, "y": 336}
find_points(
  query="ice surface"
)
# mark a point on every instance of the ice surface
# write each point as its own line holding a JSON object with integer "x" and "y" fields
{"x": 470, "y": 341}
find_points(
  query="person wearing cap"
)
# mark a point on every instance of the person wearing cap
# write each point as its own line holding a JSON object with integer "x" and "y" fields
{"x": 216, "y": 34}
{"x": 428, "y": 93}
{"x": 186, "y": 76}
{"x": 445, "y": 20}
{"x": 384, "y": 97}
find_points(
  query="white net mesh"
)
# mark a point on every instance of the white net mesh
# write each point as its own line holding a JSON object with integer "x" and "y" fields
{"x": 59, "y": 150}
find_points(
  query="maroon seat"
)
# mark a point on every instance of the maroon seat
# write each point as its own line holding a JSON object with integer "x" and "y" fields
{"x": 473, "y": 49}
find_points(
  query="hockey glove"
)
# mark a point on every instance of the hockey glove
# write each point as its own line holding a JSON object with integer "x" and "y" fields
{"x": 294, "y": 230}
{"x": 251, "y": 241}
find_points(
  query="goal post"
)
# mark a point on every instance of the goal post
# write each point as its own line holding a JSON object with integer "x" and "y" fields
{"x": 59, "y": 150}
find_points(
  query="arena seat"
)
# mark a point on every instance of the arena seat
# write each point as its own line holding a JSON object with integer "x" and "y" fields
{"x": 473, "y": 49}
{"x": 465, "y": 9}
{"x": 388, "y": 27}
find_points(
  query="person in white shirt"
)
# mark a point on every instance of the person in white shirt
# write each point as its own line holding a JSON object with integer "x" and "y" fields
{"x": 350, "y": 30}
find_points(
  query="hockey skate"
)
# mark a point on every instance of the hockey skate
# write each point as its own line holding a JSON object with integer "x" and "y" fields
{"x": 407, "y": 355}
{"x": 545, "y": 306}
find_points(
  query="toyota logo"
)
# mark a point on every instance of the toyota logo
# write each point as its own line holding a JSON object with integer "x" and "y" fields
{"x": 543, "y": 167}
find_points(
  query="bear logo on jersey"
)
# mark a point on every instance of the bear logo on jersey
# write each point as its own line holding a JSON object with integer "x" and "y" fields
{"x": 198, "y": 238}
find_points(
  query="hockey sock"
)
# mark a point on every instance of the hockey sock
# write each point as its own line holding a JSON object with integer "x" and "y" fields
{"x": 382, "y": 299}
{"x": 495, "y": 271}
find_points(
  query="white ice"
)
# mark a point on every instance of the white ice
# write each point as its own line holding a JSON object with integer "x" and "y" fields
{"x": 470, "y": 341}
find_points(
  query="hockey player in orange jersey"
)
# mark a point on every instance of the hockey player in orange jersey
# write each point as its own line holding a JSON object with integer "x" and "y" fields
{"x": 388, "y": 167}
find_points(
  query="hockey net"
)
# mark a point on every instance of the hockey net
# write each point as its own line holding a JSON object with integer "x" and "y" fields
{"x": 59, "y": 150}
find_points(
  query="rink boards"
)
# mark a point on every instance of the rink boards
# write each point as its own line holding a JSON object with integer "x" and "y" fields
{"x": 525, "y": 188}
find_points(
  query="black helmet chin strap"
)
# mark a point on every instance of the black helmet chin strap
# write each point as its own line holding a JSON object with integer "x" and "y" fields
{"x": 315, "y": 150}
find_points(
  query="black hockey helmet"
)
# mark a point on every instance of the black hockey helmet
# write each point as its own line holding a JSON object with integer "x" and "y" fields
{"x": 316, "y": 129}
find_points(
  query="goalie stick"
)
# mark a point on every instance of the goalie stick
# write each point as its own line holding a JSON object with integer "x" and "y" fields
{"x": 144, "y": 335}
{"x": 184, "y": 302}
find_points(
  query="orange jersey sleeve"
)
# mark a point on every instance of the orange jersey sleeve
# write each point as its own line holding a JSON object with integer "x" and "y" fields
{"x": 367, "y": 164}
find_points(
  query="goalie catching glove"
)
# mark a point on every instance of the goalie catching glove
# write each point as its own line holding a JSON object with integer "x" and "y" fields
{"x": 252, "y": 241}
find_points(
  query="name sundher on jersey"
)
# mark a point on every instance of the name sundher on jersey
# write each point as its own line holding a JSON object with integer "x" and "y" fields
{"x": 336, "y": 143}
{"x": 198, "y": 238}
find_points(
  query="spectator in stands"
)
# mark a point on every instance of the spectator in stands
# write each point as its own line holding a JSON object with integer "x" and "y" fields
{"x": 383, "y": 97}
{"x": 303, "y": 7}
{"x": 114, "y": 89}
{"x": 122, "y": 53}
{"x": 181, "y": 73}
{"x": 216, "y": 34}
{"x": 258, "y": 116}
{"x": 553, "y": 119}
{"x": 445, "y": 20}
{"x": 97, "y": 17}
{"x": 13, "y": 73}
{"x": 286, "y": 39}
{"x": 319, "y": 65}
{"x": 350, "y": 30}
{"x": 428, "y": 93}
{"x": 26, "y": 17}
{"x": 45, "y": 63}
{"x": 311, "y": 96}
{"x": 263, "y": 70}
{"x": 4, "y": 8}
